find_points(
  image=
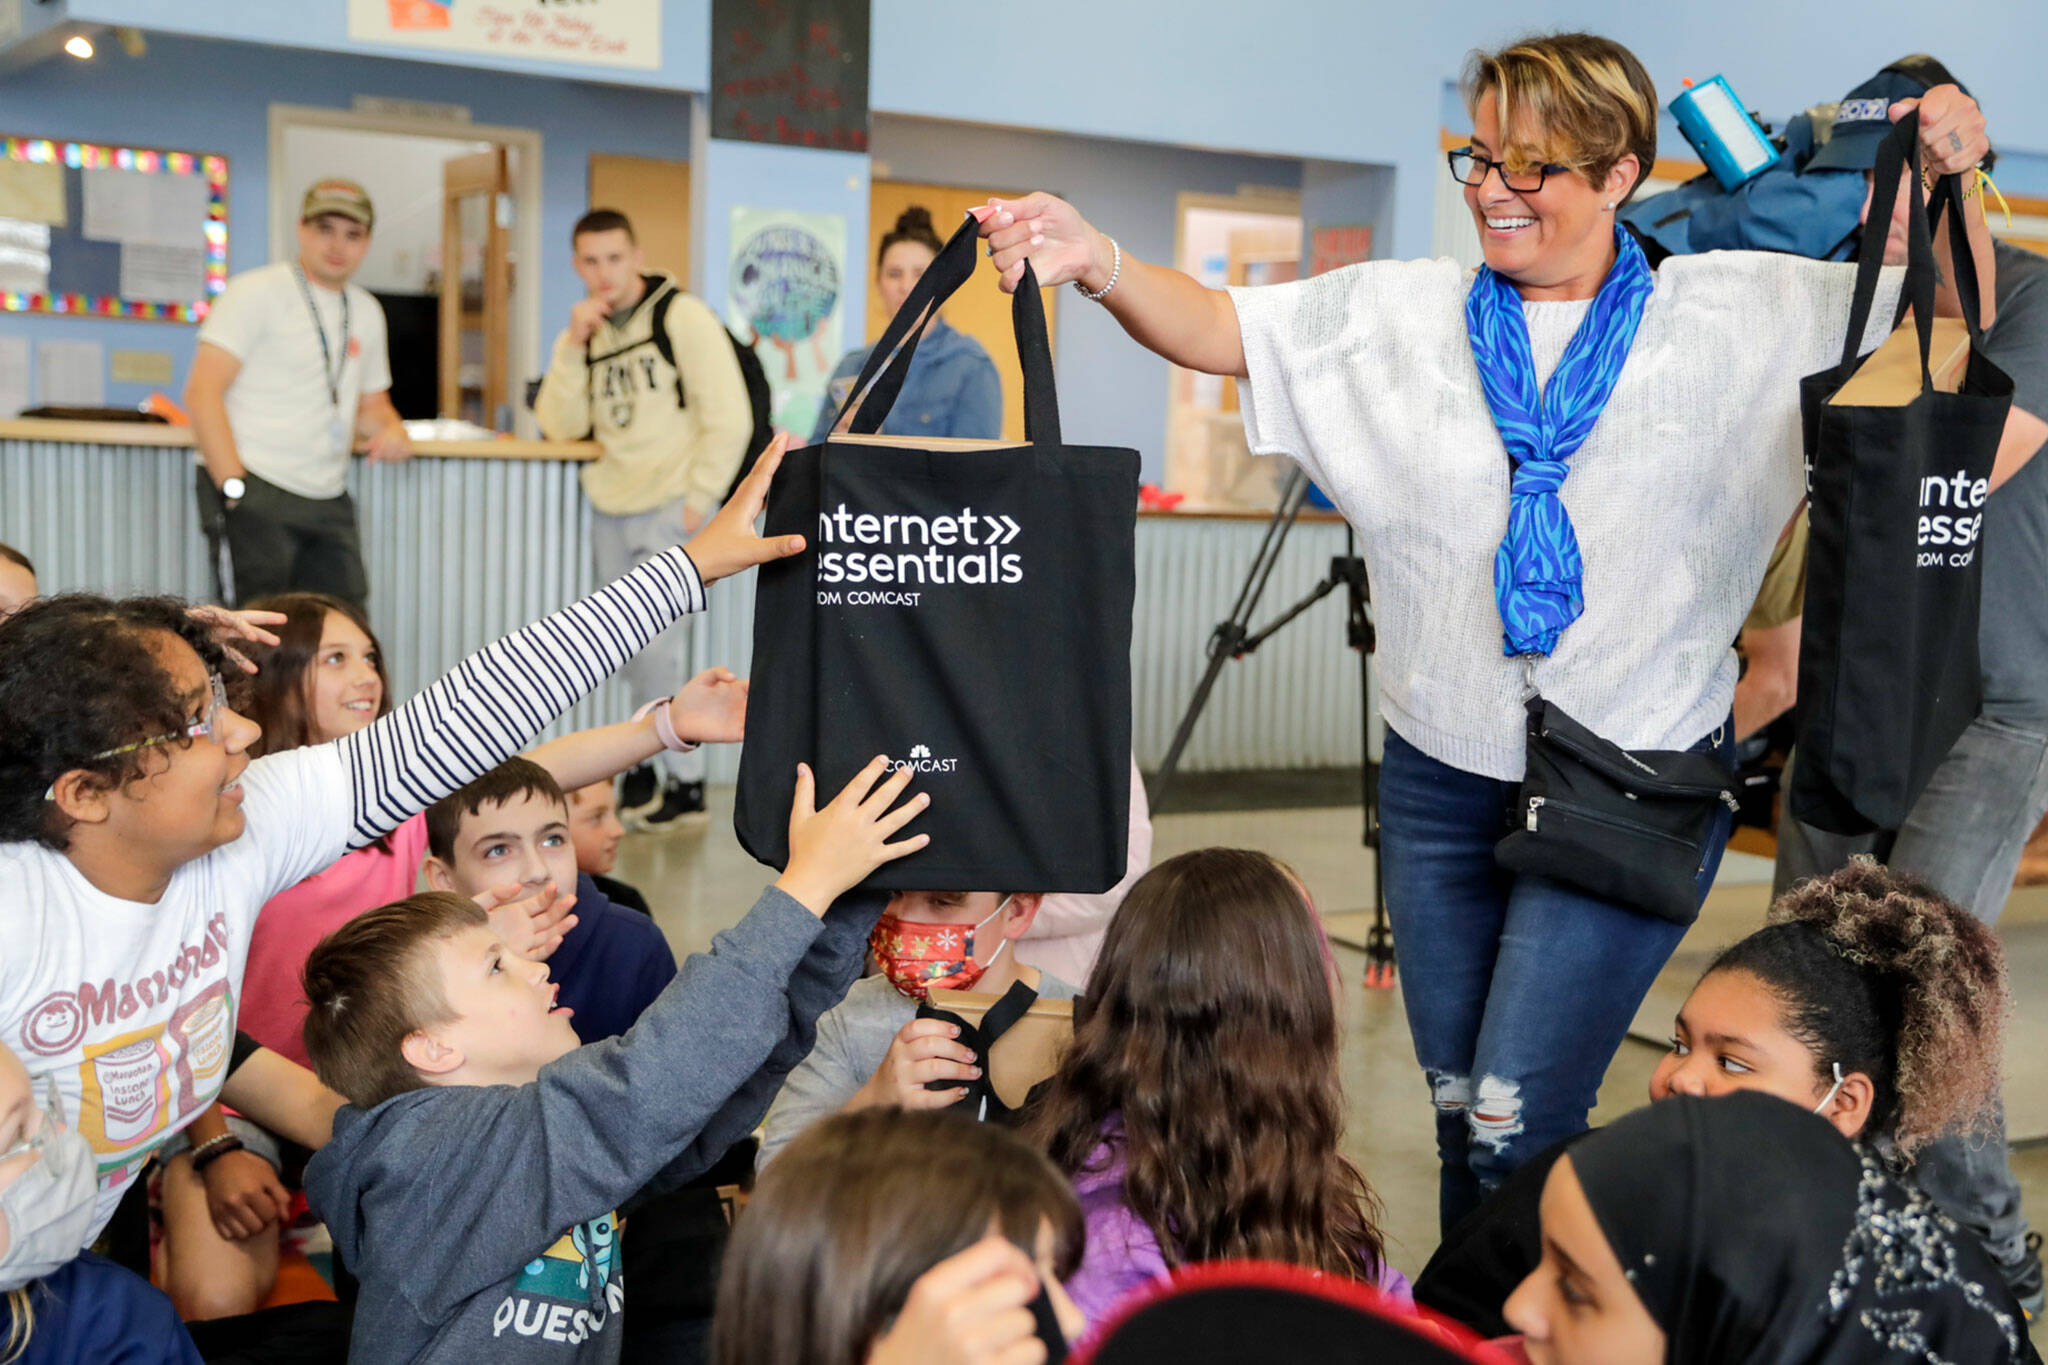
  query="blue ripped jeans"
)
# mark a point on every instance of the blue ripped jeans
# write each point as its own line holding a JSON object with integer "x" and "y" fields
{"x": 1519, "y": 989}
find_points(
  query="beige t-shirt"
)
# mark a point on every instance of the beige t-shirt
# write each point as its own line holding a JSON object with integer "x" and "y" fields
{"x": 290, "y": 429}
{"x": 1782, "y": 597}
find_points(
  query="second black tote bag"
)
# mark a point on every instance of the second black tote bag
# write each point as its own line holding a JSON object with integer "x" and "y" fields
{"x": 1899, "y": 469}
{"x": 962, "y": 607}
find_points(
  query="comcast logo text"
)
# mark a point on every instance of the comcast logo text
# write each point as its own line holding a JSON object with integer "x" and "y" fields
{"x": 921, "y": 761}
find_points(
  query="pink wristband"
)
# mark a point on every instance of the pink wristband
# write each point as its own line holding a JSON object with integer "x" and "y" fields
{"x": 663, "y": 728}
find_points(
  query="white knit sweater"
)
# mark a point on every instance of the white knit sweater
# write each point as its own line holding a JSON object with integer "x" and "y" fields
{"x": 1365, "y": 376}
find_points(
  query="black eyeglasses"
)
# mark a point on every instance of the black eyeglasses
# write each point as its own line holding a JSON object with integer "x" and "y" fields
{"x": 1470, "y": 168}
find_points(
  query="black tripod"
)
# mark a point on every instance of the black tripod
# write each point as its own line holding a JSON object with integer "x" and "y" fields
{"x": 1234, "y": 639}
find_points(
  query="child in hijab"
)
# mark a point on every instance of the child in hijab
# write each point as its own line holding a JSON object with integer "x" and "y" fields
{"x": 1743, "y": 1230}
{"x": 1868, "y": 998}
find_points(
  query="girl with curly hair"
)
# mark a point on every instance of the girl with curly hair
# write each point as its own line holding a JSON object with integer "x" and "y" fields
{"x": 1867, "y": 998}
{"x": 138, "y": 839}
{"x": 1198, "y": 1111}
{"x": 323, "y": 680}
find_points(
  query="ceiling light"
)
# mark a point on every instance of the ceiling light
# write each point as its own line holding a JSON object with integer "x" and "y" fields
{"x": 79, "y": 46}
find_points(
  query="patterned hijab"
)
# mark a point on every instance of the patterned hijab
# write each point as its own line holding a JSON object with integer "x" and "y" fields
{"x": 1756, "y": 1235}
{"x": 1537, "y": 573}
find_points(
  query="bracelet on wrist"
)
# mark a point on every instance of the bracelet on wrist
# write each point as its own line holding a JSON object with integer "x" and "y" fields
{"x": 213, "y": 1149}
{"x": 1116, "y": 270}
{"x": 664, "y": 728}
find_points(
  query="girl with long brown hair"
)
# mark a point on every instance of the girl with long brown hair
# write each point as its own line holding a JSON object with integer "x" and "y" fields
{"x": 1198, "y": 1111}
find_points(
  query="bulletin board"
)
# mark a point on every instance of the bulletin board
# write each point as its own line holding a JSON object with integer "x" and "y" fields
{"x": 116, "y": 232}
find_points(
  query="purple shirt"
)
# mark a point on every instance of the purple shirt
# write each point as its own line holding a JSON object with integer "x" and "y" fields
{"x": 1123, "y": 1255}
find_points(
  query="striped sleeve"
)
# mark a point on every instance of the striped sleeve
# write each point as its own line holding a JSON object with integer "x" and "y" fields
{"x": 496, "y": 701}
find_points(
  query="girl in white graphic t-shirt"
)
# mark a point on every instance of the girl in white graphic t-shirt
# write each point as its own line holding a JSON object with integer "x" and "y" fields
{"x": 138, "y": 840}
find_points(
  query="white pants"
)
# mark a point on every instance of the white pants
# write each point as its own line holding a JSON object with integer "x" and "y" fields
{"x": 659, "y": 670}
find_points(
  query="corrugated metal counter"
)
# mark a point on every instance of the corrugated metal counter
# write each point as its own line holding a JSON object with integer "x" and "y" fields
{"x": 471, "y": 539}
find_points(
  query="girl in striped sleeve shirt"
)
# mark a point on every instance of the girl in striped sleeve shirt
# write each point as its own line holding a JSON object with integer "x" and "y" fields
{"x": 138, "y": 840}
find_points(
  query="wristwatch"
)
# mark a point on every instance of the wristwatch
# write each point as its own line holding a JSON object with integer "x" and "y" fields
{"x": 233, "y": 488}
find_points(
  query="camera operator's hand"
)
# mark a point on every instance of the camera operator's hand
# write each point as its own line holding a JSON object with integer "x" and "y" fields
{"x": 1952, "y": 136}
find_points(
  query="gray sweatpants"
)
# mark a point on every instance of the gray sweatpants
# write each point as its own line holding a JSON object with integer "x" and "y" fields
{"x": 619, "y": 543}
{"x": 1964, "y": 838}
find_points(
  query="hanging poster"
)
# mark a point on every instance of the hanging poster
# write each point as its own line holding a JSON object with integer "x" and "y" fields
{"x": 785, "y": 284}
{"x": 597, "y": 32}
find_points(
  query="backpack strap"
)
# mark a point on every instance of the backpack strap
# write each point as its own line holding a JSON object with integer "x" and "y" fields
{"x": 996, "y": 1021}
{"x": 664, "y": 345}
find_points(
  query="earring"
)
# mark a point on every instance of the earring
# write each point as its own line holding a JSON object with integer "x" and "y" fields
{"x": 1610, "y": 208}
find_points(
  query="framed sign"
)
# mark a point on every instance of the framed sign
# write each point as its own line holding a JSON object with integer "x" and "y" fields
{"x": 790, "y": 71}
{"x": 598, "y": 32}
{"x": 99, "y": 231}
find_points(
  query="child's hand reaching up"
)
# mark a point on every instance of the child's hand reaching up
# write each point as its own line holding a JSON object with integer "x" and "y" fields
{"x": 532, "y": 926}
{"x": 711, "y": 708}
{"x": 727, "y": 544}
{"x": 831, "y": 851}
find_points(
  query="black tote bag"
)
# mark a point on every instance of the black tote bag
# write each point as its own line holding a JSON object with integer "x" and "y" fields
{"x": 1888, "y": 672}
{"x": 963, "y": 607}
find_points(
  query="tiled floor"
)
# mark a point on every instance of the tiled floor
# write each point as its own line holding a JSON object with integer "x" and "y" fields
{"x": 700, "y": 881}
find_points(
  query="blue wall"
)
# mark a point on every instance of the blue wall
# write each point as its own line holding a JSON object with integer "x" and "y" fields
{"x": 216, "y": 97}
{"x": 1333, "y": 80}
{"x": 1342, "y": 80}
{"x": 1112, "y": 392}
{"x": 1352, "y": 81}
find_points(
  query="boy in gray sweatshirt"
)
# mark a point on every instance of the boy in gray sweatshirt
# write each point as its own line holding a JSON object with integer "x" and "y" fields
{"x": 475, "y": 1181}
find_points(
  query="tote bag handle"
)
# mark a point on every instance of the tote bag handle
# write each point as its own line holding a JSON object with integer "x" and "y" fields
{"x": 888, "y": 363}
{"x": 1898, "y": 153}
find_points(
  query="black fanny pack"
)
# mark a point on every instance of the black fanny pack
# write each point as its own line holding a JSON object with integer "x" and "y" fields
{"x": 1631, "y": 825}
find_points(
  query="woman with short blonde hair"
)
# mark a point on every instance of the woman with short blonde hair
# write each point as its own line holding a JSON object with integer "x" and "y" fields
{"x": 1567, "y": 470}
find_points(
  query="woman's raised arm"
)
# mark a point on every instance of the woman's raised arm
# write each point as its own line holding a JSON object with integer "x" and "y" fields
{"x": 1168, "y": 312}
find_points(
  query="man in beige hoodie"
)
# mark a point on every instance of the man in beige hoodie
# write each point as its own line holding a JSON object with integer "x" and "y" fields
{"x": 647, "y": 371}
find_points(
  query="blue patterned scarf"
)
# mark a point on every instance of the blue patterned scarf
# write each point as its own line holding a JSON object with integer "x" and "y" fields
{"x": 1537, "y": 572}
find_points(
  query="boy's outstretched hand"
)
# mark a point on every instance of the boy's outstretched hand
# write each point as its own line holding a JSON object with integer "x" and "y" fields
{"x": 711, "y": 708}
{"x": 728, "y": 544}
{"x": 532, "y": 926}
{"x": 831, "y": 851}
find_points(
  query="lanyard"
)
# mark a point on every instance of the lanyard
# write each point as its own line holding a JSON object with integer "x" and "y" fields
{"x": 329, "y": 371}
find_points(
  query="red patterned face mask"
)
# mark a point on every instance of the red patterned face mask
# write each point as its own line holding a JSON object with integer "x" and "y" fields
{"x": 920, "y": 958}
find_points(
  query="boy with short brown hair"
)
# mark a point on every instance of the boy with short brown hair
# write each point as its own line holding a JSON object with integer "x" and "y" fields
{"x": 474, "y": 1179}
{"x": 512, "y": 825}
